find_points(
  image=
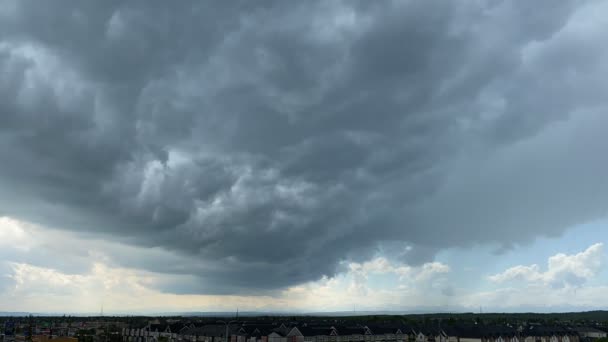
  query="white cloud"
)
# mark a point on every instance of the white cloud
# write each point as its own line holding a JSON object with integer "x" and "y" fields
{"x": 36, "y": 284}
{"x": 381, "y": 265}
{"x": 408, "y": 287}
{"x": 563, "y": 270}
{"x": 565, "y": 284}
{"x": 45, "y": 289}
{"x": 42, "y": 289}
{"x": 408, "y": 280}
{"x": 520, "y": 272}
{"x": 13, "y": 234}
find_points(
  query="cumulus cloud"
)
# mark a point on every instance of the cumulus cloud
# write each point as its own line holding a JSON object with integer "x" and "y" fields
{"x": 568, "y": 283}
{"x": 408, "y": 276}
{"x": 254, "y": 147}
{"x": 118, "y": 290}
{"x": 13, "y": 235}
{"x": 39, "y": 288}
{"x": 562, "y": 270}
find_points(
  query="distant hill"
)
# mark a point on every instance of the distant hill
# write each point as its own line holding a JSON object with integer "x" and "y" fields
{"x": 597, "y": 315}
{"x": 16, "y": 314}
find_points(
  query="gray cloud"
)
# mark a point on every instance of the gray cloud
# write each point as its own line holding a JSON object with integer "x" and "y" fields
{"x": 264, "y": 143}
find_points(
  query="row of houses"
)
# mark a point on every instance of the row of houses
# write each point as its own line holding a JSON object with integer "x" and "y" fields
{"x": 243, "y": 332}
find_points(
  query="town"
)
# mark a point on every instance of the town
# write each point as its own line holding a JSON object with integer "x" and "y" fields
{"x": 378, "y": 328}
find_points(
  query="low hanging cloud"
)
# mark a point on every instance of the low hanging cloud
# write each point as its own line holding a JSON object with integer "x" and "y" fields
{"x": 562, "y": 270}
{"x": 259, "y": 146}
{"x": 25, "y": 285}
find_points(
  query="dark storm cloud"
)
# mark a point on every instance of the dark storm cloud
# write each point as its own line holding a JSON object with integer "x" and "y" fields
{"x": 263, "y": 143}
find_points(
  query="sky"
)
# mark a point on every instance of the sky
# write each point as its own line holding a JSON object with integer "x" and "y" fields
{"x": 303, "y": 156}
